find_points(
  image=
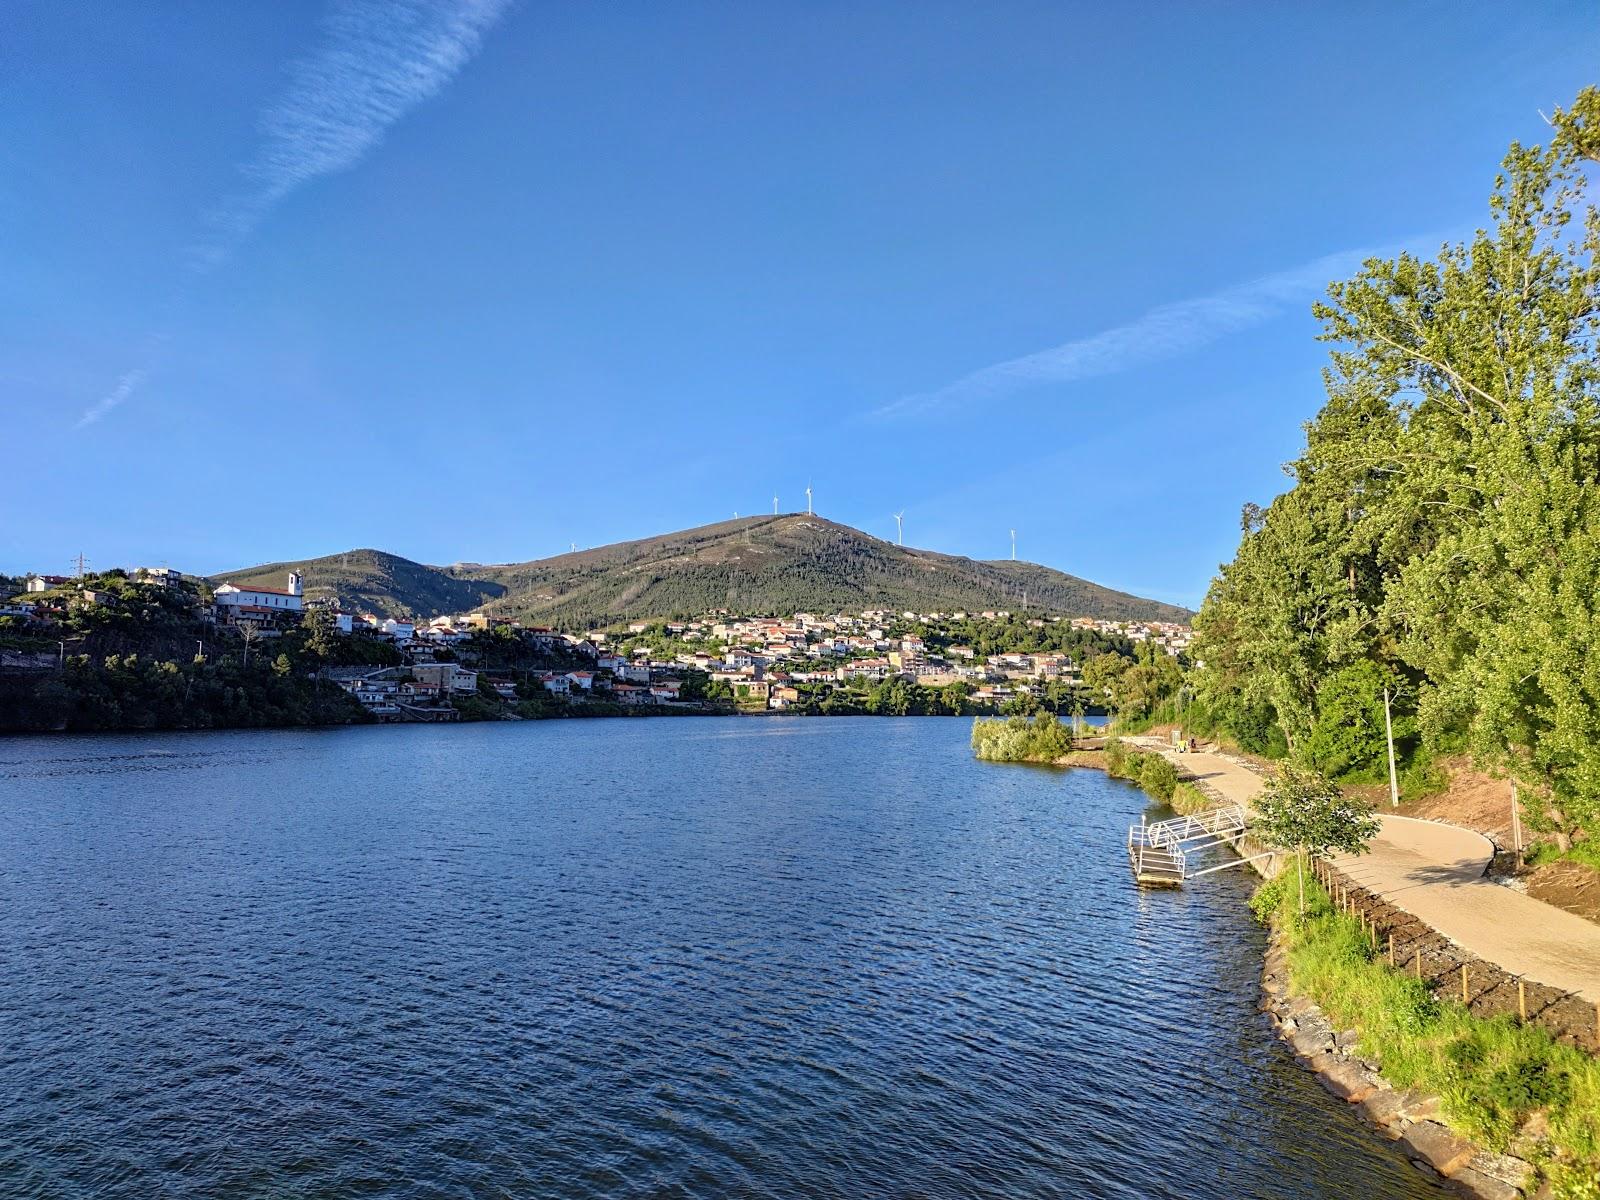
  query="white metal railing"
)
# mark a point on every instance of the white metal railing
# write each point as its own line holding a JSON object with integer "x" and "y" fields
{"x": 1225, "y": 821}
{"x": 1168, "y": 857}
{"x": 1165, "y": 845}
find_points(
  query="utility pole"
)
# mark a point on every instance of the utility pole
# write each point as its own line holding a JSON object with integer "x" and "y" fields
{"x": 61, "y": 659}
{"x": 1388, "y": 731}
{"x": 81, "y": 562}
{"x": 1516, "y": 822}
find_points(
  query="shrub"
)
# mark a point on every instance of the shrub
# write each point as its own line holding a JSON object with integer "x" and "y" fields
{"x": 1021, "y": 739}
{"x": 1158, "y": 777}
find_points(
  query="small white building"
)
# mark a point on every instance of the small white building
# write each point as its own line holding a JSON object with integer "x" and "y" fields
{"x": 231, "y": 595}
{"x": 400, "y": 631}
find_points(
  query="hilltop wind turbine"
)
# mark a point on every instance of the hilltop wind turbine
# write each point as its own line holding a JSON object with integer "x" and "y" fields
{"x": 900, "y": 528}
{"x": 808, "y": 500}
{"x": 774, "y": 503}
{"x": 1013, "y": 545}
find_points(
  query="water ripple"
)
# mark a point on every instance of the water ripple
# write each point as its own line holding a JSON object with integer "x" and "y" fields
{"x": 822, "y": 958}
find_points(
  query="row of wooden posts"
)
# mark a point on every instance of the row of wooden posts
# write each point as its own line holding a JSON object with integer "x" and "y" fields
{"x": 1341, "y": 896}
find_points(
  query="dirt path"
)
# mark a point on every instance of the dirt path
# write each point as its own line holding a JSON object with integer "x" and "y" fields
{"x": 1435, "y": 872}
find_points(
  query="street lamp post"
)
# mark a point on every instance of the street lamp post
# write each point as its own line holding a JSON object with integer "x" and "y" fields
{"x": 1388, "y": 730}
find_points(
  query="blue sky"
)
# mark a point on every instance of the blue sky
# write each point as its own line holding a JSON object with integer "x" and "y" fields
{"x": 471, "y": 280}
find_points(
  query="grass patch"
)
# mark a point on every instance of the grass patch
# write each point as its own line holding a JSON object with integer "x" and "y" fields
{"x": 1491, "y": 1075}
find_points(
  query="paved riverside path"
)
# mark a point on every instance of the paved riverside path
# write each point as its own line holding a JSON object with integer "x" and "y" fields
{"x": 1435, "y": 872}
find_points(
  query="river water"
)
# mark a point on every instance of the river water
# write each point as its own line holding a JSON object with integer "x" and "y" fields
{"x": 711, "y": 957}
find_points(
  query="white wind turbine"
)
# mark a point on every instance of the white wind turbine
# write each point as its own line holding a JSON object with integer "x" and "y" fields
{"x": 808, "y": 500}
{"x": 900, "y": 528}
{"x": 774, "y": 503}
{"x": 1013, "y": 545}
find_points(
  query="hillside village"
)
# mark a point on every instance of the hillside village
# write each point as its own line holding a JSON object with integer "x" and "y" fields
{"x": 477, "y": 665}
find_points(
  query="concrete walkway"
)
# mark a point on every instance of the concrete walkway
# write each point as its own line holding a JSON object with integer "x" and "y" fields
{"x": 1436, "y": 873}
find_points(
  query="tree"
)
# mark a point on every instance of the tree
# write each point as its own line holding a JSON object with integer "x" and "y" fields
{"x": 1302, "y": 811}
{"x": 1349, "y": 731}
{"x": 248, "y": 633}
{"x": 1444, "y": 523}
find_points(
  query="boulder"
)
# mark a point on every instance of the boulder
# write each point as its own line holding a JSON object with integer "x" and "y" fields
{"x": 1437, "y": 1146}
{"x": 1482, "y": 1187}
{"x": 1382, "y": 1108}
{"x": 1347, "y": 1080}
{"x": 1310, "y": 1042}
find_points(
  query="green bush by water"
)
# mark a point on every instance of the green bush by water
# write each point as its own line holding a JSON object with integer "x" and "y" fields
{"x": 1021, "y": 739}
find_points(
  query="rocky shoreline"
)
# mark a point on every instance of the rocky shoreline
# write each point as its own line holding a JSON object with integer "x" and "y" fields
{"x": 1406, "y": 1116}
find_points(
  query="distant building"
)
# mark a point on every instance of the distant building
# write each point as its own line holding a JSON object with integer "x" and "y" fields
{"x": 161, "y": 576}
{"x": 43, "y": 583}
{"x": 232, "y": 596}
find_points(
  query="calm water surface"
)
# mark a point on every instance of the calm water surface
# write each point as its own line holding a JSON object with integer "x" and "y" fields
{"x": 742, "y": 957}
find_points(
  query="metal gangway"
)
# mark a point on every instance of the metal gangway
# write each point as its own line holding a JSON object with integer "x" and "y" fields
{"x": 1159, "y": 851}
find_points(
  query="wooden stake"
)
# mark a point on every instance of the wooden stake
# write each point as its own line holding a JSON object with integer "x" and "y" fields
{"x": 1463, "y": 983}
{"x": 1391, "y": 963}
{"x": 1522, "y": 1001}
{"x": 1419, "y": 964}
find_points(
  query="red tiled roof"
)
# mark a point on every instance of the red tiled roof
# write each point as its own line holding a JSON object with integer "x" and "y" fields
{"x": 262, "y": 590}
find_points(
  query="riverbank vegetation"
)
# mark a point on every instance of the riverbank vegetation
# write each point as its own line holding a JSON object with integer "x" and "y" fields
{"x": 1441, "y": 541}
{"x": 1507, "y": 1086}
{"x": 1149, "y": 770}
{"x": 1041, "y": 739}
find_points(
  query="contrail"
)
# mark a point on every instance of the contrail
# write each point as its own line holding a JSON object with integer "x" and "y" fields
{"x": 1162, "y": 332}
{"x": 376, "y": 61}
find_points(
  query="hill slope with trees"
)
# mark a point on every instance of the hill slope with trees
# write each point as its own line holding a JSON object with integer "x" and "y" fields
{"x": 777, "y": 564}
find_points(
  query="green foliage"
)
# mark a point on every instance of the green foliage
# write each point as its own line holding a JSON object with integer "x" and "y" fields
{"x": 1348, "y": 733}
{"x": 1158, "y": 776}
{"x": 1458, "y": 448}
{"x": 1043, "y": 739}
{"x": 1133, "y": 687}
{"x": 1300, "y": 810}
{"x": 1490, "y": 1075}
{"x": 1116, "y": 758}
{"x": 134, "y": 692}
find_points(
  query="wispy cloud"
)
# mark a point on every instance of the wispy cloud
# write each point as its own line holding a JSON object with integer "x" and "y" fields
{"x": 126, "y": 386}
{"x": 375, "y": 61}
{"x": 1163, "y": 332}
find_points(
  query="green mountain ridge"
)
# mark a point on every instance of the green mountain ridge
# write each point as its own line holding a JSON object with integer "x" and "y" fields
{"x": 776, "y": 564}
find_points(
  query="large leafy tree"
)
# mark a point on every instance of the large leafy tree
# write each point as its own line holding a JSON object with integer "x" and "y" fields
{"x": 1443, "y": 527}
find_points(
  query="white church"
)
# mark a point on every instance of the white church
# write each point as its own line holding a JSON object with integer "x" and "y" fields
{"x": 255, "y": 602}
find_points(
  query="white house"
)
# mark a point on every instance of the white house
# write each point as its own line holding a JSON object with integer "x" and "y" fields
{"x": 400, "y": 631}
{"x": 232, "y": 596}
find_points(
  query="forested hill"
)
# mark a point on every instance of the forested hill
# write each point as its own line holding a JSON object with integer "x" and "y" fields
{"x": 373, "y": 581}
{"x": 777, "y": 564}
